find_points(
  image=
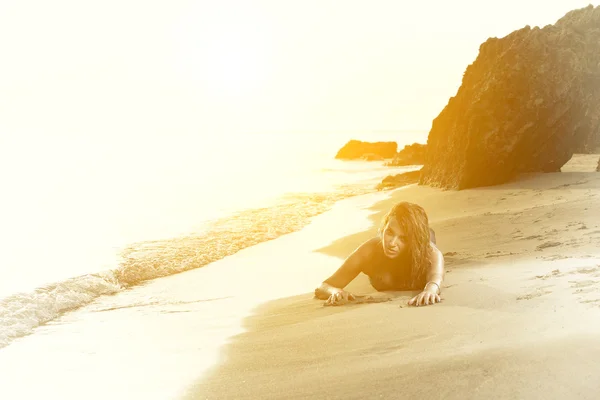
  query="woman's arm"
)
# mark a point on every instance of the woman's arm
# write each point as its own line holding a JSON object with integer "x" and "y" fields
{"x": 352, "y": 266}
{"x": 435, "y": 276}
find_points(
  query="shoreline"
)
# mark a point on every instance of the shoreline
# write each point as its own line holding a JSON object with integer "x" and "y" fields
{"x": 168, "y": 331}
{"x": 141, "y": 262}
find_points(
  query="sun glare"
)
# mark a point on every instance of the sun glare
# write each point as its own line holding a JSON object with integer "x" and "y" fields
{"x": 232, "y": 66}
{"x": 226, "y": 52}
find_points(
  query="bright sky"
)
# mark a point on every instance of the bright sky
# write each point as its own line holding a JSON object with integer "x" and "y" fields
{"x": 73, "y": 68}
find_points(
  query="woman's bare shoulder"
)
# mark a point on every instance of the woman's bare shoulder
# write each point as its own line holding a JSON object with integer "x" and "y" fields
{"x": 369, "y": 246}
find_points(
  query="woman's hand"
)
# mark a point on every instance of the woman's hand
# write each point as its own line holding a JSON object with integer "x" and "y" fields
{"x": 339, "y": 298}
{"x": 426, "y": 297}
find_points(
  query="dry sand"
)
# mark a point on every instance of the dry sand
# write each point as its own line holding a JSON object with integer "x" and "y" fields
{"x": 520, "y": 315}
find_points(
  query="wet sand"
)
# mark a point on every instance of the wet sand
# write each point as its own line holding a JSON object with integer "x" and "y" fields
{"x": 520, "y": 315}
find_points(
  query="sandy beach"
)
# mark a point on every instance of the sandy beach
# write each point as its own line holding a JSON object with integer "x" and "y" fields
{"x": 519, "y": 316}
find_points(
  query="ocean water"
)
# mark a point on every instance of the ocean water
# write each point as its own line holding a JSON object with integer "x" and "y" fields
{"x": 158, "y": 340}
{"x": 93, "y": 218}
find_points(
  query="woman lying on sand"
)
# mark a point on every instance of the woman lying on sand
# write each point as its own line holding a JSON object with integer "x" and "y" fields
{"x": 402, "y": 257}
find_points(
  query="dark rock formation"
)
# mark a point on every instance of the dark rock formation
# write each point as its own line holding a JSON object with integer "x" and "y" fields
{"x": 598, "y": 166}
{"x": 413, "y": 154}
{"x": 527, "y": 103}
{"x": 355, "y": 149}
{"x": 394, "y": 181}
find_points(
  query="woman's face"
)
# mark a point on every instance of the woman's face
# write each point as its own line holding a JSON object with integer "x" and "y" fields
{"x": 394, "y": 239}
